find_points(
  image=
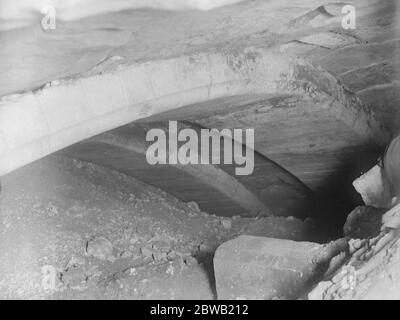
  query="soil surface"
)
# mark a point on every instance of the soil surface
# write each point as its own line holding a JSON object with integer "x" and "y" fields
{"x": 71, "y": 229}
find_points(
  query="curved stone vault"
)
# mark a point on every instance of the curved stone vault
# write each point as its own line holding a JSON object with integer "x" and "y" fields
{"x": 320, "y": 98}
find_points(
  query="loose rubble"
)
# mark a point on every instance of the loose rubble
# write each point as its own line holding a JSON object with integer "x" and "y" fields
{"x": 371, "y": 269}
{"x": 100, "y": 248}
{"x": 108, "y": 236}
{"x": 363, "y": 222}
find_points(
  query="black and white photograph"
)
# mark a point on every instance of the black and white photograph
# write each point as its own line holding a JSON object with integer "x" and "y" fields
{"x": 211, "y": 151}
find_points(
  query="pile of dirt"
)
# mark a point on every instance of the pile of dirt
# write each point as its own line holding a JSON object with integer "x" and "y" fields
{"x": 71, "y": 229}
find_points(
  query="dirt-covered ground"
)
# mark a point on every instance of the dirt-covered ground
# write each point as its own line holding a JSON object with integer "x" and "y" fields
{"x": 71, "y": 230}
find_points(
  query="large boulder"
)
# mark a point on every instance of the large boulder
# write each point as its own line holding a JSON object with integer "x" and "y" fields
{"x": 251, "y": 267}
